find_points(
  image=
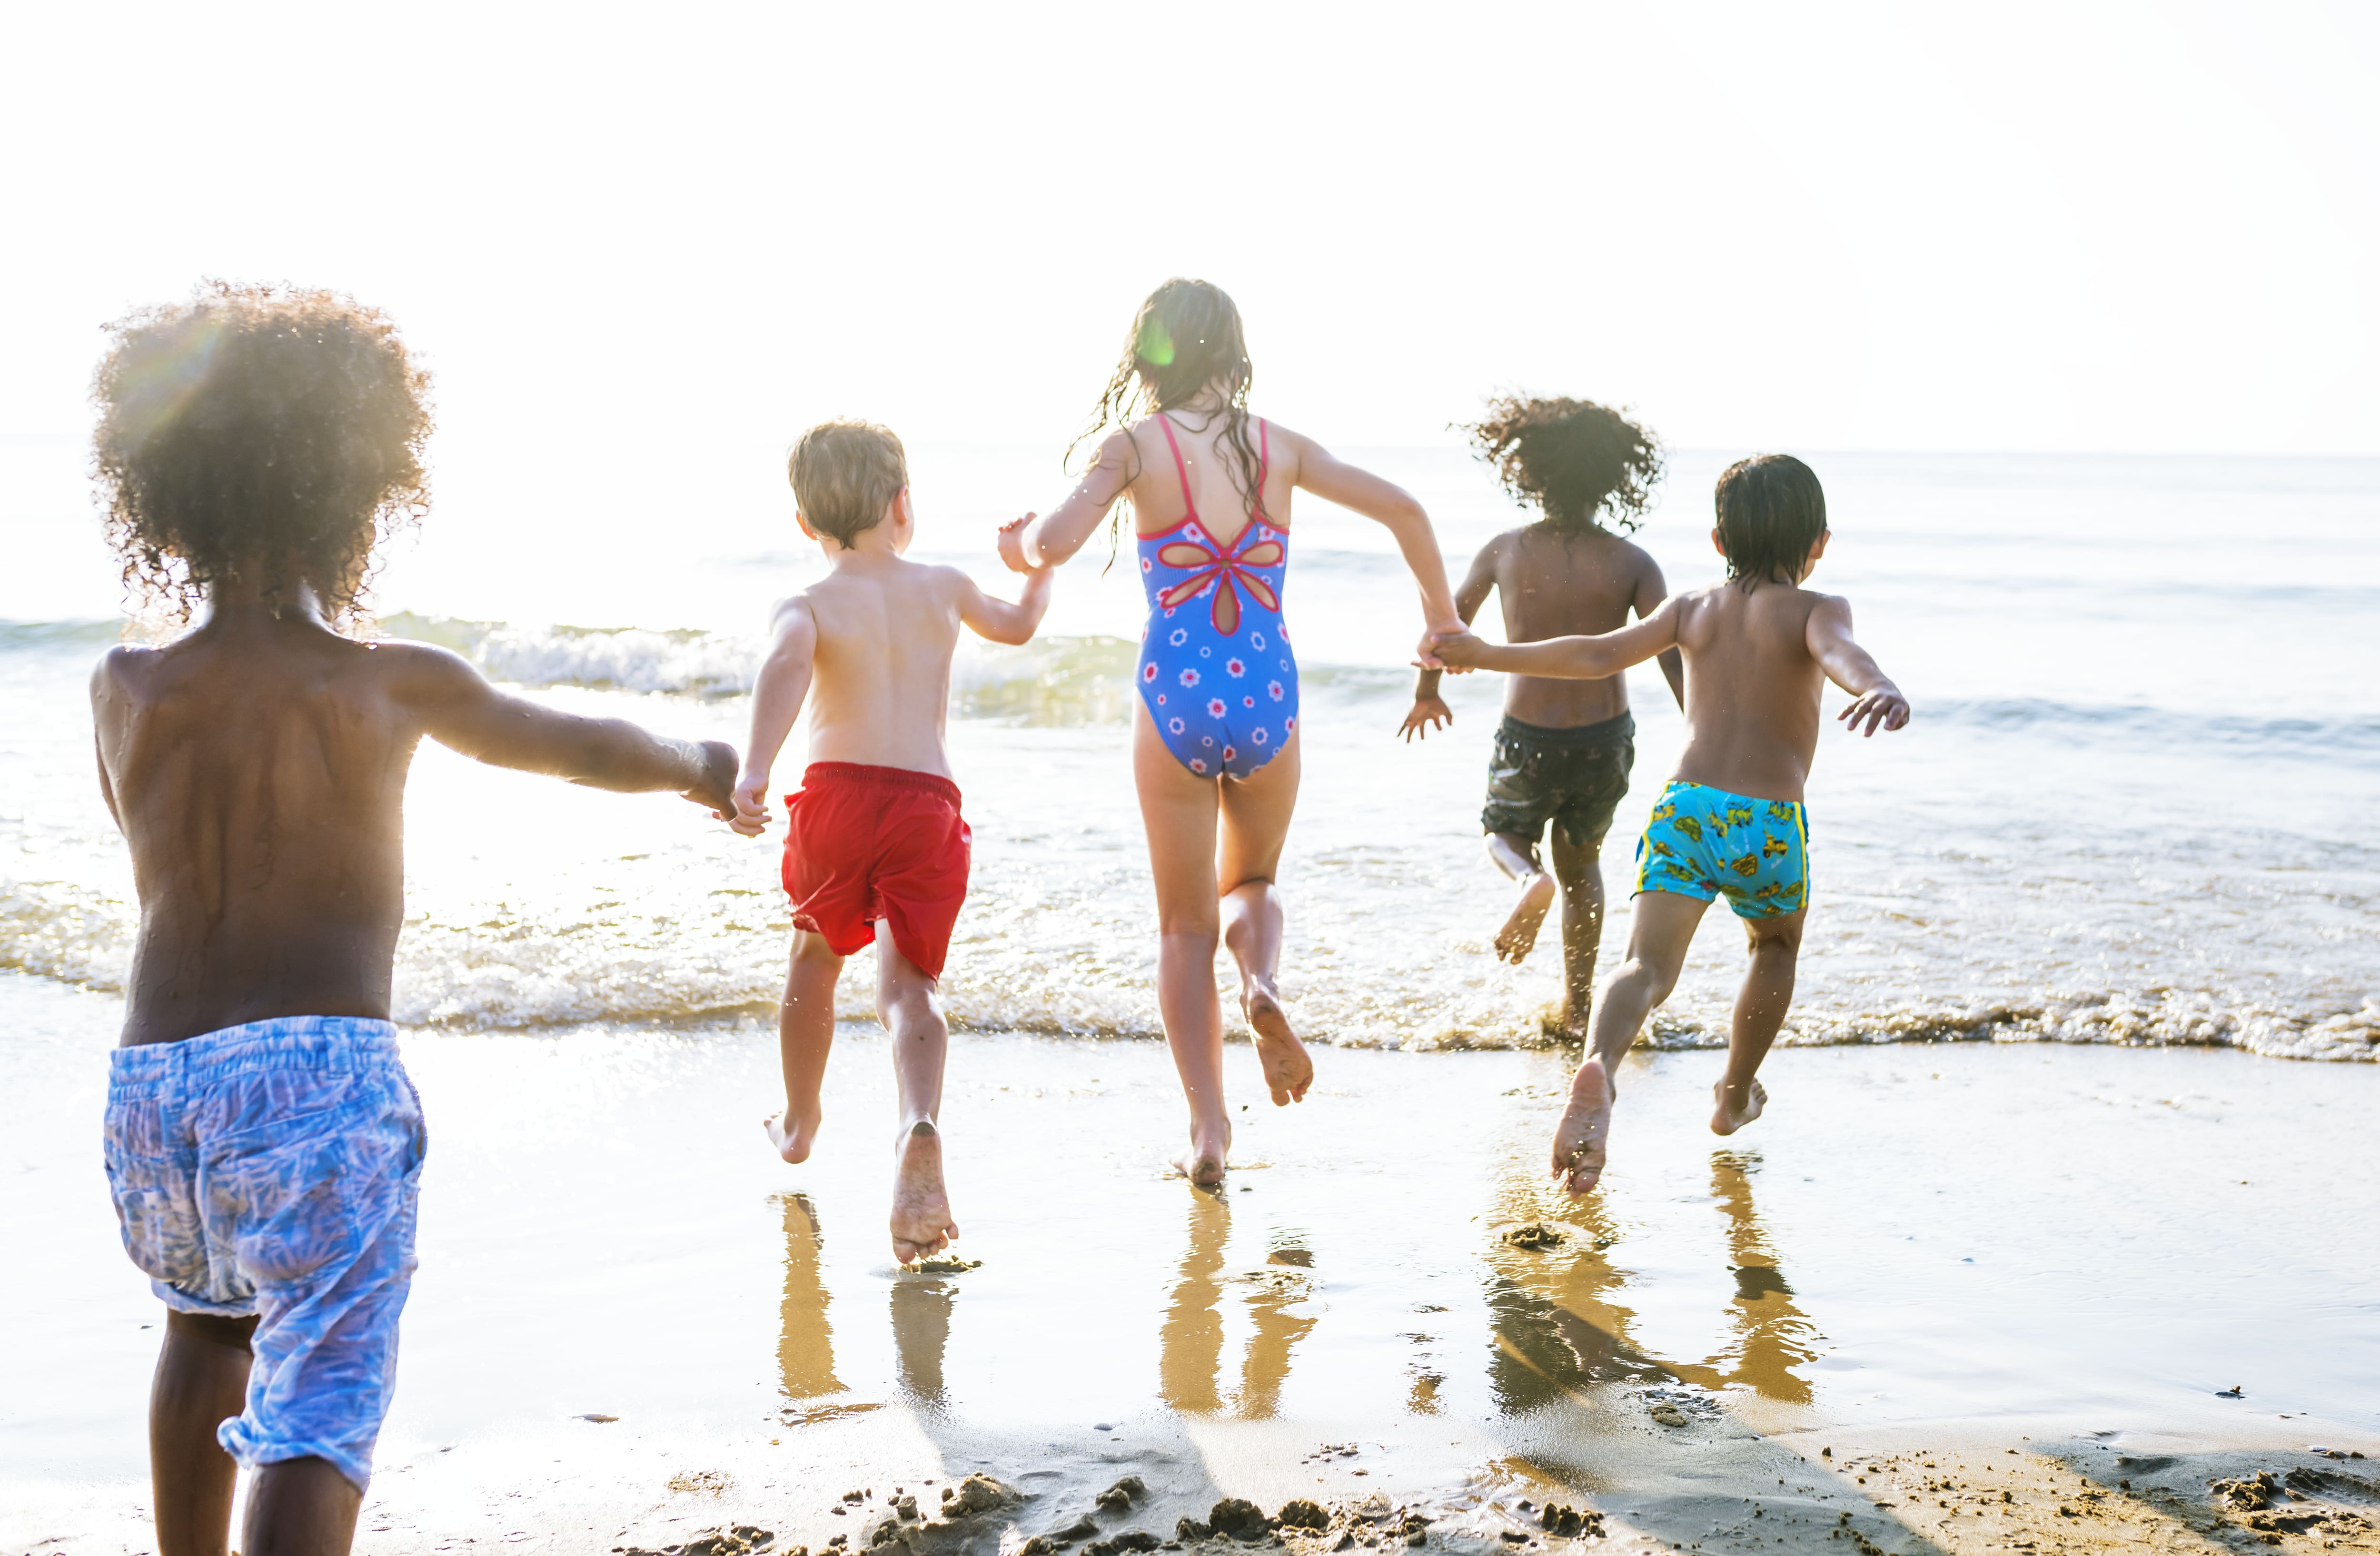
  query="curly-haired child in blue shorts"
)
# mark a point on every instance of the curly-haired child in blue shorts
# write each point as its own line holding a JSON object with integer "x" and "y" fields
{"x": 263, "y": 1144}
{"x": 1758, "y": 648}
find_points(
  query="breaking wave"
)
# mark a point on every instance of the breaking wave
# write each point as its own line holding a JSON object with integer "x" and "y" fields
{"x": 510, "y": 969}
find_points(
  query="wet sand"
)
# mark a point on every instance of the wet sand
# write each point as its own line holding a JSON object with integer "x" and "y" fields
{"x": 1931, "y": 1276}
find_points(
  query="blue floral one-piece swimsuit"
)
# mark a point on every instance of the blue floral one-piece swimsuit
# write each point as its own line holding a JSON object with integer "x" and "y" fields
{"x": 1216, "y": 671}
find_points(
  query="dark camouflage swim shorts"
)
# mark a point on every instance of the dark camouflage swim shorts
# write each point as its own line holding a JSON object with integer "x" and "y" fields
{"x": 1573, "y": 777}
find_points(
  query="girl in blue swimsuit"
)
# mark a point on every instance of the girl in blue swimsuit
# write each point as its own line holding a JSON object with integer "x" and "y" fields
{"x": 1216, "y": 674}
{"x": 1215, "y": 739}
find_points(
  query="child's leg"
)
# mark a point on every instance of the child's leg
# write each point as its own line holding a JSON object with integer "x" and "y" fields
{"x": 1579, "y": 867}
{"x": 1178, "y": 809}
{"x": 912, "y": 1014}
{"x": 201, "y": 1381}
{"x": 1256, "y": 823}
{"x": 805, "y": 1034}
{"x": 1658, "y": 932}
{"x": 1760, "y": 1007}
{"x": 301, "y": 1507}
{"x": 1517, "y": 857}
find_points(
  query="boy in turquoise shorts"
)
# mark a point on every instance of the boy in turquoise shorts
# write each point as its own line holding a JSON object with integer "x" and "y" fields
{"x": 1757, "y": 648}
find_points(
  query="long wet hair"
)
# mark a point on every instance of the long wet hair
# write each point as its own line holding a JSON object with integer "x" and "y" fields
{"x": 1771, "y": 511}
{"x": 257, "y": 430}
{"x": 1580, "y": 464}
{"x": 1185, "y": 339}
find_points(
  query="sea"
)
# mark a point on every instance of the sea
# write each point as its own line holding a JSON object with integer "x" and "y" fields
{"x": 2133, "y": 806}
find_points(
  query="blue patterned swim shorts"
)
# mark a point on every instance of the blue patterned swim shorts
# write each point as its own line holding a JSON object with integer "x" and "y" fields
{"x": 1706, "y": 842}
{"x": 273, "y": 1169}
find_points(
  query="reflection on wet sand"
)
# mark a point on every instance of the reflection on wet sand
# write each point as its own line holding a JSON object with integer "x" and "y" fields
{"x": 922, "y": 1333}
{"x": 1190, "y": 1336}
{"x": 1554, "y": 1324}
{"x": 1558, "y": 1325}
{"x": 1773, "y": 1335}
{"x": 805, "y": 1338}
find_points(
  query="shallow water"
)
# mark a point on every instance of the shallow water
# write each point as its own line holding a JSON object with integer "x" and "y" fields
{"x": 2064, "y": 1239}
{"x": 2131, "y": 808}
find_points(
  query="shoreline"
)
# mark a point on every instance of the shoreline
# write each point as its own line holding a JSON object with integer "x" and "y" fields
{"x": 1942, "y": 1246}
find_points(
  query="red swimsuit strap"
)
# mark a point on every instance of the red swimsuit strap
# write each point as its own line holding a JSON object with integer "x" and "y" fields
{"x": 1264, "y": 465}
{"x": 1179, "y": 468}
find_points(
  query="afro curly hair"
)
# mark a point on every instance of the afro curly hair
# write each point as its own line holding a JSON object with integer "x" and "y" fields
{"x": 261, "y": 432}
{"x": 1573, "y": 459}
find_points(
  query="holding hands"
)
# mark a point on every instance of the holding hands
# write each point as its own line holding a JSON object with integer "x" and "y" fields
{"x": 1459, "y": 649}
{"x": 1012, "y": 544}
{"x": 751, "y": 803}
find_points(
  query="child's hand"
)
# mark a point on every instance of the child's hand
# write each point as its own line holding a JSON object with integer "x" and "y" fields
{"x": 750, "y": 803}
{"x": 1428, "y": 713}
{"x": 718, "y": 778}
{"x": 1012, "y": 544}
{"x": 1457, "y": 651}
{"x": 1883, "y": 705}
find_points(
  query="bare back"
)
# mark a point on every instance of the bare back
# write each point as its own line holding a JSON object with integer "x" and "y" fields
{"x": 1752, "y": 689}
{"x": 1556, "y": 586}
{"x": 886, "y": 630}
{"x": 259, "y": 774}
{"x": 1215, "y": 478}
{"x": 258, "y": 770}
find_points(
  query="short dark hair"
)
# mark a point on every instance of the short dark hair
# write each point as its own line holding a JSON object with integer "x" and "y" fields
{"x": 844, "y": 475}
{"x": 1573, "y": 458}
{"x": 1771, "y": 511}
{"x": 257, "y": 428}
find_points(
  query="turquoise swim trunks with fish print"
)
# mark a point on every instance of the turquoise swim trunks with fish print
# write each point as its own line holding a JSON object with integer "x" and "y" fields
{"x": 1706, "y": 842}
{"x": 273, "y": 1169}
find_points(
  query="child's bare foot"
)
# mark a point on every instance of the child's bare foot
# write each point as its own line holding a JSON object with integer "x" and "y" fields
{"x": 1202, "y": 1159}
{"x": 1735, "y": 1111}
{"x": 921, "y": 1210}
{"x": 1576, "y": 1021}
{"x": 1287, "y": 1069}
{"x": 792, "y": 1137}
{"x": 1585, "y": 1126}
{"x": 1519, "y": 935}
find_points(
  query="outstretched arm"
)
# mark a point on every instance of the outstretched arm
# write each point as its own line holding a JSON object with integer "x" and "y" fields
{"x": 1651, "y": 589}
{"x": 1874, "y": 699}
{"x": 1392, "y": 507}
{"x": 997, "y": 619}
{"x": 777, "y": 694}
{"x": 1429, "y": 709}
{"x": 1572, "y": 658}
{"x": 1049, "y": 542}
{"x": 458, "y": 709}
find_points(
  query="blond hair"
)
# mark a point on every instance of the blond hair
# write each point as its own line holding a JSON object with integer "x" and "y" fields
{"x": 844, "y": 475}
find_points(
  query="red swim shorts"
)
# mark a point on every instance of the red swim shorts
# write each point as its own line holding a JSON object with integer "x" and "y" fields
{"x": 870, "y": 843}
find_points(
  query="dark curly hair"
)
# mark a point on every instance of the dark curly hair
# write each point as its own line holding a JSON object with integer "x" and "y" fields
{"x": 1186, "y": 338}
{"x": 1771, "y": 511}
{"x": 1573, "y": 459}
{"x": 257, "y": 431}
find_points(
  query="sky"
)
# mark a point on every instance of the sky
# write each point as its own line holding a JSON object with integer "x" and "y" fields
{"x": 641, "y": 248}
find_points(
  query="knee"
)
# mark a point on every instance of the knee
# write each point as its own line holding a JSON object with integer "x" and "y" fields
{"x": 1648, "y": 978}
{"x": 1194, "y": 924}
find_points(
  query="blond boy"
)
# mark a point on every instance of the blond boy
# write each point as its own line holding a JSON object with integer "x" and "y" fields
{"x": 874, "y": 836}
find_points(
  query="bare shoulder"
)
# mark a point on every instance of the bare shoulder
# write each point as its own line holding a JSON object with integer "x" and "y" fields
{"x": 1633, "y": 557}
{"x": 126, "y": 668}
{"x": 421, "y": 675}
{"x": 948, "y": 583}
{"x": 1500, "y": 552}
{"x": 1830, "y": 607}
